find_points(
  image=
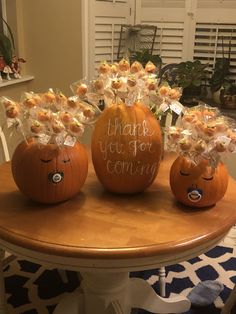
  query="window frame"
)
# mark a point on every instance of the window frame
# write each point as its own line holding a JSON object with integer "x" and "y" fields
{"x": 3, "y": 14}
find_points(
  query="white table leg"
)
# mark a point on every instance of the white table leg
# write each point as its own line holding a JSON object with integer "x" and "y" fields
{"x": 116, "y": 293}
{"x": 162, "y": 281}
{"x": 229, "y": 302}
{"x": 3, "y": 303}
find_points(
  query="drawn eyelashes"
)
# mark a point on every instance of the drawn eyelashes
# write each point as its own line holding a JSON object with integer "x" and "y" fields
{"x": 208, "y": 179}
{"x": 66, "y": 160}
{"x": 48, "y": 160}
{"x": 183, "y": 173}
{"x": 204, "y": 178}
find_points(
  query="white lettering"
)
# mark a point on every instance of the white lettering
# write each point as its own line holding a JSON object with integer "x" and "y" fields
{"x": 137, "y": 145}
{"x": 122, "y": 145}
{"x": 121, "y": 167}
{"x": 115, "y": 127}
{"x": 112, "y": 148}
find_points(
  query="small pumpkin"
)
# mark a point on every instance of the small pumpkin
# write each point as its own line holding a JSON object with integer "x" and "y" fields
{"x": 198, "y": 185}
{"x": 49, "y": 174}
{"x": 126, "y": 148}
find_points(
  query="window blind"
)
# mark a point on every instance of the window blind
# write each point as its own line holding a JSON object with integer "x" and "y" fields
{"x": 107, "y": 34}
{"x": 106, "y": 18}
{"x": 168, "y": 16}
{"x": 214, "y": 41}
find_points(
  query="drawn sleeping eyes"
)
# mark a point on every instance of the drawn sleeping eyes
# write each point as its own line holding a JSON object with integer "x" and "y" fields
{"x": 46, "y": 160}
{"x": 208, "y": 179}
{"x": 49, "y": 160}
{"x": 187, "y": 174}
{"x": 184, "y": 173}
{"x": 66, "y": 160}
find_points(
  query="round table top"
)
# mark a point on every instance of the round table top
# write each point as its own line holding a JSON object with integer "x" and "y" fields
{"x": 98, "y": 224}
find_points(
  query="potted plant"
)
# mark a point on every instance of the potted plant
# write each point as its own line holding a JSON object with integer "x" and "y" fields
{"x": 228, "y": 96}
{"x": 7, "y": 44}
{"x": 144, "y": 56}
{"x": 219, "y": 79}
{"x": 9, "y": 62}
{"x": 223, "y": 89}
{"x": 188, "y": 75}
{"x": 220, "y": 74}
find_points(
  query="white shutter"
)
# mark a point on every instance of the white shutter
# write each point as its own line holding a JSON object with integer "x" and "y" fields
{"x": 215, "y": 29}
{"x": 169, "y": 17}
{"x": 216, "y": 4}
{"x": 212, "y": 41}
{"x": 163, "y": 4}
{"x": 191, "y": 29}
{"x": 116, "y": 1}
{"x": 106, "y": 18}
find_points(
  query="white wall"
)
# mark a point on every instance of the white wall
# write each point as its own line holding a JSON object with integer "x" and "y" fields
{"x": 49, "y": 37}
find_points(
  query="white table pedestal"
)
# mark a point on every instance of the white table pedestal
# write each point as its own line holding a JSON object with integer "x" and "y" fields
{"x": 117, "y": 293}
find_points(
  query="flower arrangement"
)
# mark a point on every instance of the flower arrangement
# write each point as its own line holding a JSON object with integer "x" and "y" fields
{"x": 49, "y": 117}
{"x": 204, "y": 134}
{"x": 125, "y": 82}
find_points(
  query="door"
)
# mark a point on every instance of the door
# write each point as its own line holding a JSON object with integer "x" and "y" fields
{"x": 101, "y": 39}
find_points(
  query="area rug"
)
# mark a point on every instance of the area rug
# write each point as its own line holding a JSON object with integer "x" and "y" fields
{"x": 33, "y": 289}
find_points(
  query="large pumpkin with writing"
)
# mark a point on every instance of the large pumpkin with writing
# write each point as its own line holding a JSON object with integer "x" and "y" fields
{"x": 126, "y": 148}
{"x": 198, "y": 185}
{"x": 49, "y": 174}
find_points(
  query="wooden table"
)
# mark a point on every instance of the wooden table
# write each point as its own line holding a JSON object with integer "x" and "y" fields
{"x": 105, "y": 236}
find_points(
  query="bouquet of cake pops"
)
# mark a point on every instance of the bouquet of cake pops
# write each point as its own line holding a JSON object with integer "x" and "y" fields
{"x": 49, "y": 117}
{"x": 125, "y": 82}
{"x": 204, "y": 133}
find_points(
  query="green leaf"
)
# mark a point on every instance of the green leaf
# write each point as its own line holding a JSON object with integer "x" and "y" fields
{"x": 10, "y": 32}
{"x": 6, "y": 49}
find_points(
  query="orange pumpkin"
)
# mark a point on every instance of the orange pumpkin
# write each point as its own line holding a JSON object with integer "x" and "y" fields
{"x": 126, "y": 148}
{"x": 198, "y": 185}
{"x": 48, "y": 174}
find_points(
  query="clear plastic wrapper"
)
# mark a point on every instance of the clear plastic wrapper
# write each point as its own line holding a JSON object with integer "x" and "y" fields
{"x": 124, "y": 65}
{"x": 80, "y": 88}
{"x": 49, "y": 117}
{"x": 30, "y": 100}
{"x": 203, "y": 134}
{"x": 12, "y": 112}
{"x": 105, "y": 69}
{"x": 125, "y": 82}
{"x": 136, "y": 67}
{"x": 150, "y": 67}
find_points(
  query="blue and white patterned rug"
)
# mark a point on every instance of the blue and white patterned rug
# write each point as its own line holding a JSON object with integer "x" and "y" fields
{"x": 32, "y": 289}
